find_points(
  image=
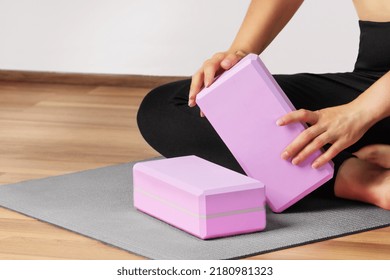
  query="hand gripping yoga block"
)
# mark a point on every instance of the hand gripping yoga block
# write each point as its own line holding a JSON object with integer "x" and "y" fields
{"x": 243, "y": 105}
{"x": 199, "y": 197}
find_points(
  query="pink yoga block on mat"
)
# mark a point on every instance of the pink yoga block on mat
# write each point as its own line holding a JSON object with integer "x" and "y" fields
{"x": 243, "y": 105}
{"x": 199, "y": 197}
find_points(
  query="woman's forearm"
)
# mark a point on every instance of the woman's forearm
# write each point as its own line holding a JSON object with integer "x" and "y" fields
{"x": 263, "y": 21}
{"x": 374, "y": 103}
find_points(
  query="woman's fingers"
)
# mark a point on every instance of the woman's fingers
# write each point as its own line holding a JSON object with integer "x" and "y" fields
{"x": 315, "y": 145}
{"x": 309, "y": 141}
{"x": 339, "y": 126}
{"x": 210, "y": 67}
{"x": 230, "y": 60}
{"x": 205, "y": 76}
{"x": 336, "y": 148}
{"x": 300, "y": 115}
{"x": 196, "y": 85}
{"x": 219, "y": 62}
{"x": 298, "y": 145}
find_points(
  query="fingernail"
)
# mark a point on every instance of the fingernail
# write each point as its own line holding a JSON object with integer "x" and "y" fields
{"x": 226, "y": 63}
{"x": 190, "y": 103}
{"x": 315, "y": 165}
{"x": 285, "y": 155}
{"x": 279, "y": 122}
{"x": 295, "y": 161}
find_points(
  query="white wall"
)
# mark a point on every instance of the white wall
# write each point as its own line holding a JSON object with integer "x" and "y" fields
{"x": 164, "y": 37}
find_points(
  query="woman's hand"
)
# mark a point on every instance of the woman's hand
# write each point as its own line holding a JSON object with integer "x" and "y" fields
{"x": 340, "y": 126}
{"x": 212, "y": 67}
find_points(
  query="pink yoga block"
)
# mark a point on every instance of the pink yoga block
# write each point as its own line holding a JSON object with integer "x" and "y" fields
{"x": 243, "y": 105}
{"x": 199, "y": 197}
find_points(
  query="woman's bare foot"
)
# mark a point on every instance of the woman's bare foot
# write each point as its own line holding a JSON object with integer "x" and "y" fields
{"x": 361, "y": 180}
{"x": 378, "y": 154}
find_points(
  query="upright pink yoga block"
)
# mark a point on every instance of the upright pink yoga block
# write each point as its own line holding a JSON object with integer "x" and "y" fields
{"x": 200, "y": 197}
{"x": 243, "y": 105}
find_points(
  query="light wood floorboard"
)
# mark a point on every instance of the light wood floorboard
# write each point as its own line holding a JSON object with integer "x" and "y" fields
{"x": 53, "y": 129}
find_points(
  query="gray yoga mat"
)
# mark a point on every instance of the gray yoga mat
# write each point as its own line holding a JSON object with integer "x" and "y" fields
{"x": 98, "y": 203}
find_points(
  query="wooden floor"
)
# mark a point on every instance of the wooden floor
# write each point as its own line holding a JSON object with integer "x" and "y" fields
{"x": 48, "y": 129}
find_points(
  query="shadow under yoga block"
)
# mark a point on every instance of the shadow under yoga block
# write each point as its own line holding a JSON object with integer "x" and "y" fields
{"x": 200, "y": 197}
{"x": 243, "y": 105}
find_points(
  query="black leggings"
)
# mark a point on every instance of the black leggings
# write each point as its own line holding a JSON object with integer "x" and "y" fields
{"x": 174, "y": 129}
